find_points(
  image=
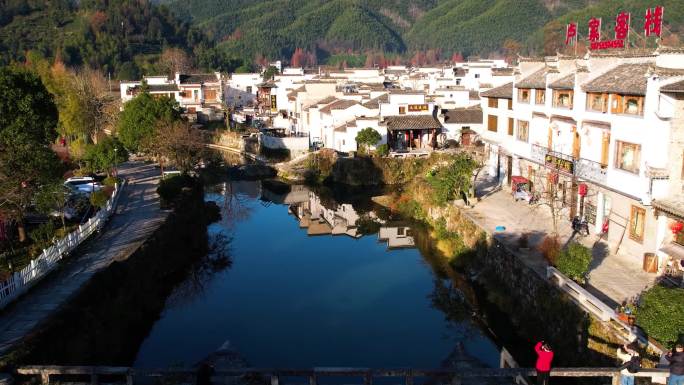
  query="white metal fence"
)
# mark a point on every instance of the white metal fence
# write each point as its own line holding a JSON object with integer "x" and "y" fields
{"x": 19, "y": 282}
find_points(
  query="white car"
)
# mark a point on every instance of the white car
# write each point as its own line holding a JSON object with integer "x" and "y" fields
{"x": 84, "y": 184}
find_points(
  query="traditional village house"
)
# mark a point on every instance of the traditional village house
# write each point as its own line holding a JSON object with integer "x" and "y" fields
{"x": 461, "y": 124}
{"x": 200, "y": 95}
{"x": 497, "y": 113}
{"x": 411, "y": 121}
{"x": 241, "y": 89}
{"x": 579, "y": 123}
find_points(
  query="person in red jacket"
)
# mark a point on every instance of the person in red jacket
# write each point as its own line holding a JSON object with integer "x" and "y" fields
{"x": 544, "y": 358}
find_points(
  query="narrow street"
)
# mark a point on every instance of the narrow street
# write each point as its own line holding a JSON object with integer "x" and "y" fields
{"x": 137, "y": 217}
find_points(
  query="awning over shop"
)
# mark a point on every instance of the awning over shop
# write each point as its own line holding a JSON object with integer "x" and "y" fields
{"x": 674, "y": 250}
{"x": 673, "y": 207}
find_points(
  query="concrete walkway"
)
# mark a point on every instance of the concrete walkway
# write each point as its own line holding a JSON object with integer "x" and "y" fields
{"x": 137, "y": 217}
{"x": 613, "y": 278}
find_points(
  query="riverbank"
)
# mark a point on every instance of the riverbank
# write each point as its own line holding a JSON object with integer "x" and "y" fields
{"x": 93, "y": 327}
{"x": 137, "y": 217}
{"x": 510, "y": 294}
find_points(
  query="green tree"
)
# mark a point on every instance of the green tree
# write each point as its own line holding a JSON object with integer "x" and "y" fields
{"x": 366, "y": 138}
{"x": 270, "y": 72}
{"x": 27, "y": 110}
{"x": 660, "y": 313}
{"x": 452, "y": 180}
{"x": 574, "y": 261}
{"x": 105, "y": 155}
{"x": 53, "y": 197}
{"x": 28, "y": 117}
{"x": 140, "y": 118}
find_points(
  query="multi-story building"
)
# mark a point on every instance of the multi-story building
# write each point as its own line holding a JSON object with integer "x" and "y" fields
{"x": 201, "y": 96}
{"x": 597, "y": 132}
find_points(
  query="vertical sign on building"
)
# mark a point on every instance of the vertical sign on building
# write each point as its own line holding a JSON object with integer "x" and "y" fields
{"x": 653, "y": 21}
{"x": 594, "y": 29}
{"x": 274, "y": 103}
{"x": 622, "y": 25}
{"x": 571, "y": 33}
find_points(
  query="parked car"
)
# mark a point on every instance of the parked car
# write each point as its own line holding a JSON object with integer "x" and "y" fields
{"x": 83, "y": 184}
{"x": 170, "y": 173}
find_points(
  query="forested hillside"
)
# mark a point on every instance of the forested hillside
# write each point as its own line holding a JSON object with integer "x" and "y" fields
{"x": 275, "y": 28}
{"x": 121, "y": 37}
{"x": 129, "y": 37}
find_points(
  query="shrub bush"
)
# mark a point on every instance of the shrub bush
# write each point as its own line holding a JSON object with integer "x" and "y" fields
{"x": 382, "y": 150}
{"x": 660, "y": 314}
{"x": 170, "y": 188}
{"x": 448, "y": 182}
{"x": 99, "y": 198}
{"x": 109, "y": 181}
{"x": 43, "y": 235}
{"x": 550, "y": 248}
{"x": 574, "y": 261}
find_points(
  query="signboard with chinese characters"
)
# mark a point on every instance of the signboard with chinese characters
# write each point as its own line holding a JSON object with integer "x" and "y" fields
{"x": 653, "y": 23}
{"x": 274, "y": 103}
{"x": 560, "y": 164}
{"x": 417, "y": 107}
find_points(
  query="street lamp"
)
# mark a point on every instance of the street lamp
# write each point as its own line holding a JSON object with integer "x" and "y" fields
{"x": 116, "y": 158}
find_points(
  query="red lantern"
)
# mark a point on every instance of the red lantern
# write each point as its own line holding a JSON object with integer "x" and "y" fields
{"x": 583, "y": 189}
{"x": 553, "y": 177}
{"x": 676, "y": 227}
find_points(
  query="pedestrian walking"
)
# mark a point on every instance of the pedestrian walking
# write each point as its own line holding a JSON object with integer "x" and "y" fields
{"x": 544, "y": 359}
{"x": 676, "y": 360}
{"x": 631, "y": 362}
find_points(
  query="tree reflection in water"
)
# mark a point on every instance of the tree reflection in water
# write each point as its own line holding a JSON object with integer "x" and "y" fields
{"x": 203, "y": 271}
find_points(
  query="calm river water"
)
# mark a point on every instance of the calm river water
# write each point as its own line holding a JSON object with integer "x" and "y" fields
{"x": 306, "y": 289}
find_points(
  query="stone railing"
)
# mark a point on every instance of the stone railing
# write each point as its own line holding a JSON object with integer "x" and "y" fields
{"x": 448, "y": 376}
{"x": 593, "y": 305}
{"x": 19, "y": 282}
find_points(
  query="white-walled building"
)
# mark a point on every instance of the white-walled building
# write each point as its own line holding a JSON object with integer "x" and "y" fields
{"x": 200, "y": 95}
{"x": 600, "y": 129}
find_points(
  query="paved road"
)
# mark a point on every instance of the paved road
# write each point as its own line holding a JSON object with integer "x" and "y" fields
{"x": 137, "y": 217}
{"x": 613, "y": 278}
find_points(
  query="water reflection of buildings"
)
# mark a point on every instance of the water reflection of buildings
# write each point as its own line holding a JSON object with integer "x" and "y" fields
{"x": 327, "y": 217}
{"x": 397, "y": 235}
{"x": 317, "y": 219}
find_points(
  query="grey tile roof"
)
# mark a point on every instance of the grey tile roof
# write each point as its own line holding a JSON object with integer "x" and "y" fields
{"x": 502, "y": 71}
{"x": 375, "y": 102}
{"x": 672, "y": 205}
{"x": 624, "y": 79}
{"x": 463, "y": 115}
{"x": 474, "y": 95}
{"x": 411, "y": 122}
{"x": 341, "y": 104}
{"x": 459, "y": 72}
{"x": 564, "y": 83}
{"x": 536, "y": 80}
{"x": 159, "y": 87}
{"x": 198, "y": 78}
{"x": 677, "y": 87}
{"x": 503, "y": 92}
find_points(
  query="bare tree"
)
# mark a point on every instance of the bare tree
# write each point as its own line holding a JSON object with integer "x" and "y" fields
{"x": 174, "y": 60}
{"x": 179, "y": 143}
{"x": 546, "y": 192}
{"x": 99, "y": 107}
